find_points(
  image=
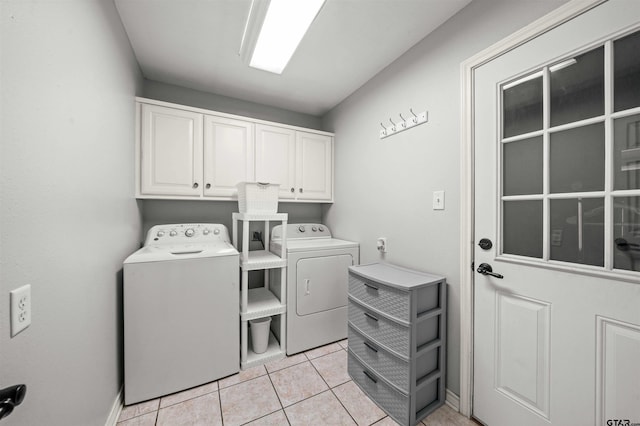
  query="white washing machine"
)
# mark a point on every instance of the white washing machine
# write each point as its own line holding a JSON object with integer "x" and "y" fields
{"x": 180, "y": 310}
{"x": 317, "y": 284}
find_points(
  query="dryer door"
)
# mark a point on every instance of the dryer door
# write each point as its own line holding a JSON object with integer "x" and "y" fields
{"x": 321, "y": 283}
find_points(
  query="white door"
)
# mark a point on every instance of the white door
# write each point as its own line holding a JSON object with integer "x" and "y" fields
{"x": 276, "y": 158}
{"x": 228, "y": 155}
{"x": 557, "y": 192}
{"x": 171, "y": 151}
{"x": 314, "y": 166}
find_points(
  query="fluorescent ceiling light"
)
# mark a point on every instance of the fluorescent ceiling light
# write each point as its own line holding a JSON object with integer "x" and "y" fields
{"x": 522, "y": 80}
{"x": 563, "y": 64}
{"x": 274, "y": 30}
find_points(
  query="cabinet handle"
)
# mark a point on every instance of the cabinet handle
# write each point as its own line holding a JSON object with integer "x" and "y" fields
{"x": 293, "y": 189}
{"x": 372, "y": 287}
{"x": 368, "y": 315}
{"x": 370, "y": 376}
{"x": 208, "y": 186}
{"x": 300, "y": 190}
{"x": 195, "y": 185}
{"x": 370, "y": 346}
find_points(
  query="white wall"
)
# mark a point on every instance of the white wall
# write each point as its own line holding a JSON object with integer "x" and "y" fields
{"x": 384, "y": 187}
{"x": 68, "y": 216}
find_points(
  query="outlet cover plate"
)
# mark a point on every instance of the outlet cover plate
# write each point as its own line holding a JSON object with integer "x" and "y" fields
{"x": 20, "y": 309}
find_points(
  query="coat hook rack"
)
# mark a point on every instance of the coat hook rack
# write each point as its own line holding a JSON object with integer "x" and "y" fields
{"x": 403, "y": 124}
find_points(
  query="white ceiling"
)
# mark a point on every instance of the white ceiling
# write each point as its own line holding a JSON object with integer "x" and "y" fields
{"x": 195, "y": 44}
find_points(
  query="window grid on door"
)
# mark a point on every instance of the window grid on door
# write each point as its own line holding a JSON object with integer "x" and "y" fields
{"x": 598, "y": 198}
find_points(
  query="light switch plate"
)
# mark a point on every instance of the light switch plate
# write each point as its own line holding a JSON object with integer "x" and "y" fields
{"x": 438, "y": 200}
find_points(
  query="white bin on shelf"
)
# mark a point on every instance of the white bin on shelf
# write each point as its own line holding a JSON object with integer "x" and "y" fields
{"x": 258, "y": 197}
{"x": 260, "y": 334}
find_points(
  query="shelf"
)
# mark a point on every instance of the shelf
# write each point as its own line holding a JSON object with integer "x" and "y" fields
{"x": 260, "y": 216}
{"x": 273, "y": 353}
{"x": 262, "y": 259}
{"x": 262, "y": 303}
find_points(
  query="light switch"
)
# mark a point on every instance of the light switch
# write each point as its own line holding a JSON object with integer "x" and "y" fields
{"x": 438, "y": 200}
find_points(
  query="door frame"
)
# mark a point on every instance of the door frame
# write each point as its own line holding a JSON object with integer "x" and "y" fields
{"x": 468, "y": 68}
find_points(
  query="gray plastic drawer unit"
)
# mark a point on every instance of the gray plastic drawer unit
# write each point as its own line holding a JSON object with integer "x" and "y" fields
{"x": 397, "y": 336}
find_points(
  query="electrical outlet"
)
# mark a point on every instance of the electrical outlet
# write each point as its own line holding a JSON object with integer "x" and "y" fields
{"x": 20, "y": 309}
{"x": 382, "y": 244}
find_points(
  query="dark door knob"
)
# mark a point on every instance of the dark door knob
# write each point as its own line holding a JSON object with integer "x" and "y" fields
{"x": 10, "y": 398}
{"x": 486, "y": 269}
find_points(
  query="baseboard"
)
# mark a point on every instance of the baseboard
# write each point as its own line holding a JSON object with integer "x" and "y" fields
{"x": 117, "y": 408}
{"x": 452, "y": 400}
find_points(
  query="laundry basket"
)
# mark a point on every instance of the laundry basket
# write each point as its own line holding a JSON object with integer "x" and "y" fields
{"x": 258, "y": 197}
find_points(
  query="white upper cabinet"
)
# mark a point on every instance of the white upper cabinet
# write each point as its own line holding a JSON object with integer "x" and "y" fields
{"x": 276, "y": 158}
{"x": 170, "y": 151}
{"x": 314, "y": 166}
{"x": 300, "y": 162}
{"x": 190, "y": 153}
{"x": 228, "y": 155}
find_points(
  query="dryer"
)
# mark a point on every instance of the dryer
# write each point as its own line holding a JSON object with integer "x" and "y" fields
{"x": 181, "y": 311}
{"x": 317, "y": 284}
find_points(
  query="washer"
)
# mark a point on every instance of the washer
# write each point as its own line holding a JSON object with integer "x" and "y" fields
{"x": 180, "y": 310}
{"x": 317, "y": 284}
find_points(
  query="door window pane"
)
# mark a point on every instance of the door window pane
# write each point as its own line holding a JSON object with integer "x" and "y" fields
{"x": 577, "y": 159}
{"x": 577, "y": 88}
{"x": 577, "y": 231}
{"x": 626, "y": 143}
{"x": 522, "y": 167}
{"x": 626, "y": 233}
{"x": 522, "y": 105}
{"x": 522, "y": 228}
{"x": 626, "y": 84}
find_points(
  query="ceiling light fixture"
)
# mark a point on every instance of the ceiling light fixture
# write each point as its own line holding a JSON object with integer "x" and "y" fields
{"x": 274, "y": 30}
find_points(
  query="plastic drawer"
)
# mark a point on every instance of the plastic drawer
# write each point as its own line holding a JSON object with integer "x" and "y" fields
{"x": 392, "y": 401}
{"x": 389, "y": 300}
{"x": 392, "y": 368}
{"x": 388, "y": 333}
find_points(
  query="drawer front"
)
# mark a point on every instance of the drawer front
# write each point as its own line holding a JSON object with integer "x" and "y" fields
{"x": 392, "y": 368}
{"x": 374, "y": 326}
{"x": 390, "y": 400}
{"x": 389, "y": 300}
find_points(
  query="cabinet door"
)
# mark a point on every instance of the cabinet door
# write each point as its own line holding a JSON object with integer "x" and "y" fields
{"x": 276, "y": 158}
{"x": 314, "y": 166}
{"x": 170, "y": 151}
{"x": 228, "y": 155}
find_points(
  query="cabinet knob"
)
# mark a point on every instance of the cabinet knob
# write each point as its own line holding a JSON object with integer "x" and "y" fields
{"x": 208, "y": 186}
{"x": 293, "y": 190}
{"x": 195, "y": 185}
{"x": 300, "y": 190}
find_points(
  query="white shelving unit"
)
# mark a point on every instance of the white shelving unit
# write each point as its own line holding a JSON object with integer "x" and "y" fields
{"x": 267, "y": 301}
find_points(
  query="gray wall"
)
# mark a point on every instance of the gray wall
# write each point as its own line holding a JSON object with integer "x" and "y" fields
{"x": 384, "y": 187}
{"x": 68, "y": 216}
{"x": 182, "y": 95}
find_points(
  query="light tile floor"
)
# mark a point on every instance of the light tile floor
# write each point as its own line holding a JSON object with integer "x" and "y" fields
{"x": 311, "y": 388}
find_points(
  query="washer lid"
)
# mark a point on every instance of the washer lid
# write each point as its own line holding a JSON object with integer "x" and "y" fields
{"x": 166, "y": 252}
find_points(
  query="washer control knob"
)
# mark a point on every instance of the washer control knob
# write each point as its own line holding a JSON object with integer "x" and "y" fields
{"x": 189, "y": 232}
{"x": 314, "y": 229}
{"x": 205, "y": 232}
{"x": 301, "y": 228}
{"x": 160, "y": 234}
{"x": 216, "y": 231}
{"x": 321, "y": 229}
{"x": 173, "y": 233}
